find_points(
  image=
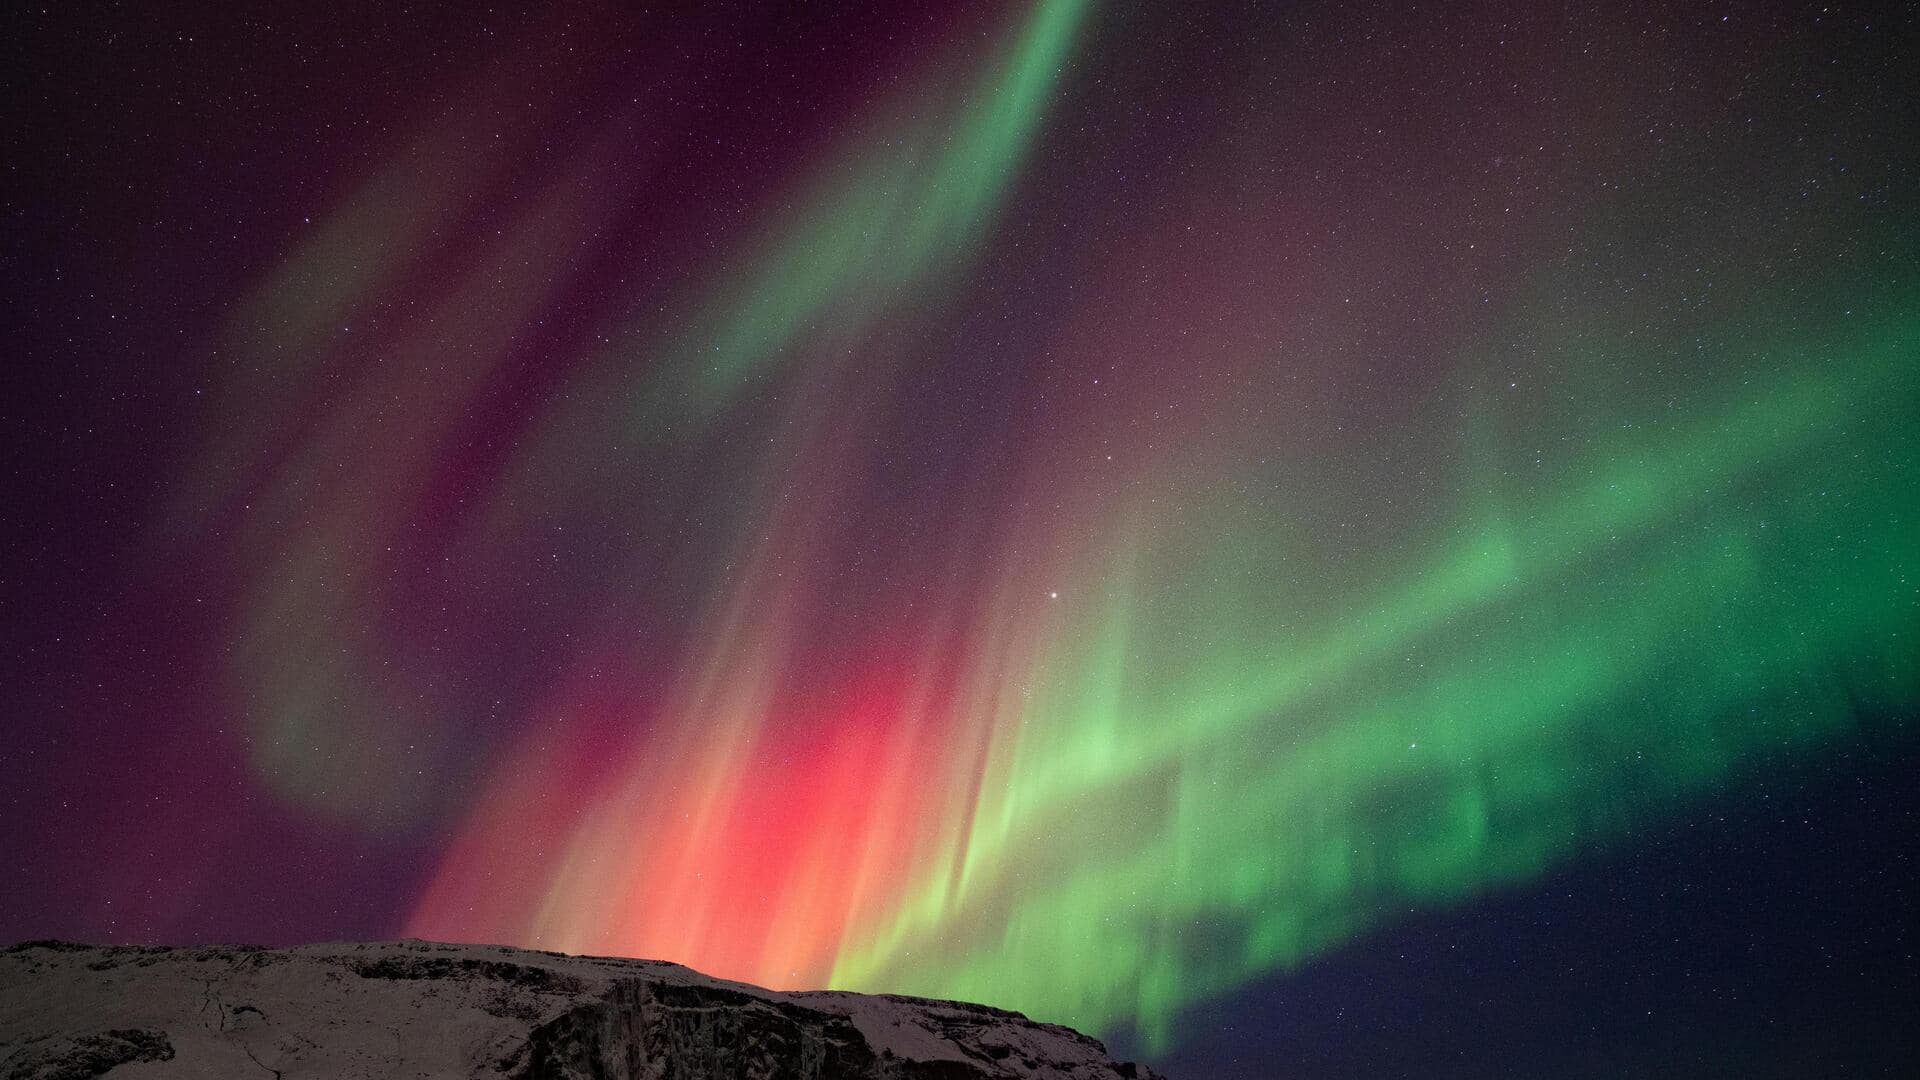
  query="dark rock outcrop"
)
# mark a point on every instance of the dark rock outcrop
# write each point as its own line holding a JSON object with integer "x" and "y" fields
{"x": 421, "y": 1009}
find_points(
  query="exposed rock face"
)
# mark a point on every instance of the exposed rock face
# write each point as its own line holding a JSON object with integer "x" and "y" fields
{"x": 418, "y": 1009}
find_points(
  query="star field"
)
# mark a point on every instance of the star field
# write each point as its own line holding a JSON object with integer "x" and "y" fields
{"x": 1283, "y": 535}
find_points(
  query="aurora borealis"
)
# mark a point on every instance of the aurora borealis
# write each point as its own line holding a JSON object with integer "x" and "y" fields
{"x": 1096, "y": 509}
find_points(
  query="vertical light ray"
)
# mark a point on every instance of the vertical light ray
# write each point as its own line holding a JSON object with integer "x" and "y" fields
{"x": 1661, "y": 618}
{"x": 906, "y": 592}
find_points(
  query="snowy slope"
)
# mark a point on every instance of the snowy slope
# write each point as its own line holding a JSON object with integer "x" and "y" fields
{"x": 412, "y": 1009}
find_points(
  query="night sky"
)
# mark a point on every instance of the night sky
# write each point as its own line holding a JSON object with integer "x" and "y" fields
{"x": 1305, "y": 539}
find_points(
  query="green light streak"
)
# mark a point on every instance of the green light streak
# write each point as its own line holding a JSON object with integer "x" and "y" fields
{"x": 895, "y": 214}
{"x": 1237, "y": 759}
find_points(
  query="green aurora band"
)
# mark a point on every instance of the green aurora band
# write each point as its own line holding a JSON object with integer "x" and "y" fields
{"x": 1208, "y": 783}
{"x": 893, "y": 214}
{"x": 1171, "y": 723}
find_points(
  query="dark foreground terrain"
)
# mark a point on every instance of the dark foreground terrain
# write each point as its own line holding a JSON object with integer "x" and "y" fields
{"x": 422, "y": 1009}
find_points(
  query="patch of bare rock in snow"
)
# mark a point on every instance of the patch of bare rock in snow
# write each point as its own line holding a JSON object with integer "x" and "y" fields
{"x": 416, "y": 1009}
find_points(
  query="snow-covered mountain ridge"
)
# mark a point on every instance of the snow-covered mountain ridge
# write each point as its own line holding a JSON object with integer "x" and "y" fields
{"x": 423, "y": 1009}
